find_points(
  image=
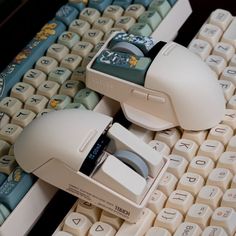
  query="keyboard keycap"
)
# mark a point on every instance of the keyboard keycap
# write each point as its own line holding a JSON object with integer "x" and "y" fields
{"x": 15, "y": 187}
{"x": 32, "y": 52}
{"x": 66, "y": 14}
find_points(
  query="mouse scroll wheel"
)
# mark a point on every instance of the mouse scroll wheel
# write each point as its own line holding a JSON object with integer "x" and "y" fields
{"x": 127, "y": 48}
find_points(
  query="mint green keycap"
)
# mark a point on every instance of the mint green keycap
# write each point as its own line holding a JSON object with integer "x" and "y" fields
{"x": 4, "y": 213}
{"x": 161, "y": 6}
{"x": 15, "y": 187}
{"x": 122, "y": 65}
{"x": 87, "y": 97}
{"x": 68, "y": 39}
{"x": 151, "y": 17}
{"x": 29, "y": 55}
{"x": 141, "y": 29}
{"x": 59, "y": 102}
{"x": 75, "y": 105}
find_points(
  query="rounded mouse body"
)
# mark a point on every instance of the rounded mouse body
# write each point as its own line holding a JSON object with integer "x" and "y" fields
{"x": 65, "y": 135}
{"x": 192, "y": 86}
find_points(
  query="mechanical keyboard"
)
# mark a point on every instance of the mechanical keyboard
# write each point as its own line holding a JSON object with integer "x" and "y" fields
{"x": 197, "y": 194}
{"x": 49, "y": 74}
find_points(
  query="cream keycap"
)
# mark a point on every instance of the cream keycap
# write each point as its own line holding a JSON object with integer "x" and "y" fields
{"x": 101, "y": 229}
{"x": 160, "y": 147}
{"x": 169, "y": 136}
{"x": 157, "y": 201}
{"x": 200, "y": 47}
{"x": 180, "y": 200}
{"x": 228, "y": 89}
{"x": 211, "y": 148}
{"x": 222, "y": 133}
{"x": 229, "y": 198}
{"x": 46, "y": 64}
{"x": 157, "y": 231}
{"x": 34, "y": 77}
{"x": 201, "y": 165}
{"x": 220, "y": 177}
{"x": 111, "y": 219}
{"x": 199, "y": 214}
{"x": 10, "y": 132}
{"x": 177, "y": 165}
{"x": 224, "y": 217}
{"x": 228, "y": 160}
{"x": 214, "y": 230}
{"x": 77, "y": 224}
{"x": 10, "y": 105}
{"x": 169, "y": 219}
{"x": 186, "y": 148}
{"x": 220, "y": 17}
{"x": 196, "y": 136}
{"x": 140, "y": 227}
{"x": 23, "y": 117}
{"x": 36, "y": 103}
{"x": 22, "y": 91}
{"x": 191, "y": 182}
{"x": 57, "y": 51}
{"x": 216, "y": 63}
{"x": 210, "y": 33}
{"x": 230, "y": 117}
{"x": 188, "y": 229}
{"x": 224, "y": 50}
{"x": 168, "y": 183}
{"x": 89, "y": 210}
{"x": 233, "y": 184}
{"x": 229, "y": 35}
{"x": 210, "y": 195}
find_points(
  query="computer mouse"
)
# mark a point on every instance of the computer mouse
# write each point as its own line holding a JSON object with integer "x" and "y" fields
{"x": 85, "y": 154}
{"x": 164, "y": 86}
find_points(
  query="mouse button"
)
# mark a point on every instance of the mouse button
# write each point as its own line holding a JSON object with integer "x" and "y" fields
{"x": 122, "y": 65}
{"x": 144, "y": 43}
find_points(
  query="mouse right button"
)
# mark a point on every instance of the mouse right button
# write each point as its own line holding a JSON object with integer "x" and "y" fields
{"x": 117, "y": 176}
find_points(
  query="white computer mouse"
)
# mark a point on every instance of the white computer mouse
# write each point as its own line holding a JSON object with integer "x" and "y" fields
{"x": 179, "y": 89}
{"x": 83, "y": 153}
